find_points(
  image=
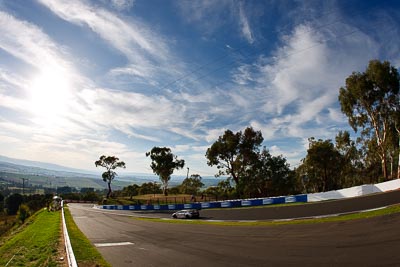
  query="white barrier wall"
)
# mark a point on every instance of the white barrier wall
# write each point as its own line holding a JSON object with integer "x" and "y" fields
{"x": 68, "y": 247}
{"x": 355, "y": 191}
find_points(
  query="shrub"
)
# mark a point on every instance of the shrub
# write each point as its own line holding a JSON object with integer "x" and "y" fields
{"x": 23, "y": 213}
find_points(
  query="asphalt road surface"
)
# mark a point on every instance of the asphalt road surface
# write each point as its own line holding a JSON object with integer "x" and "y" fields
{"x": 124, "y": 241}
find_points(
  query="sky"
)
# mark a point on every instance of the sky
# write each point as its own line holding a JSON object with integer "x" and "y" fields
{"x": 81, "y": 79}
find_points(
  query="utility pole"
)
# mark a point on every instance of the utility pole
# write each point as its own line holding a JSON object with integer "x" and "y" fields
{"x": 187, "y": 175}
{"x": 23, "y": 185}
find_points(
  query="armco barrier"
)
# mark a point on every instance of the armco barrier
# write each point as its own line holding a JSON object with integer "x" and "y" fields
{"x": 211, "y": 205}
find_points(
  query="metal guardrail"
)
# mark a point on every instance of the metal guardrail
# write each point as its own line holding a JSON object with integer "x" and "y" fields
{"x": 68, "y": 247}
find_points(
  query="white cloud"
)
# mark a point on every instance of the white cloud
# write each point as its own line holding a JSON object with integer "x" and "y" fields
{"x": 134, "y": 39}
{"x": 245, "y": 26}
{"x": 33, "y": 46}
{"x": 243, "y": 74}
{"x": 300, "y": 85}
{"x": 211, "y": 16}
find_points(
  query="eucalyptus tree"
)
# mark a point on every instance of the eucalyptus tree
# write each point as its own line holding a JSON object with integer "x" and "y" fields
{"x": 191, "y": 185}
{"x": 163, "y": 164}
{"x": 233, "y": 153}
{"x": 131, "y": 190}
{"x": 369, "y": 100}
{"x": 268, "y": 176}
{"x": 255, "y": 172}
{"x": 352, "y": 161}
{"x": 322, "y": 165}
{"x": 110, "y": 163}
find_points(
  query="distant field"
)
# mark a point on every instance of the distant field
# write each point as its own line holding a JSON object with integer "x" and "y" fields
{"x": 31, "y": 180}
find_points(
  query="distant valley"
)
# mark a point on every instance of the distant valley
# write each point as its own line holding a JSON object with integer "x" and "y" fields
{"x": 46, "y": 175}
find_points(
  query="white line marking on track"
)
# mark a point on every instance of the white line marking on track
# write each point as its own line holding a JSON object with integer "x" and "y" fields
{"x": 113, "y": 244}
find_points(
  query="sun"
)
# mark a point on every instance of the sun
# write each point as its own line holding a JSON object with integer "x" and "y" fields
{"x": 49, "y": 94}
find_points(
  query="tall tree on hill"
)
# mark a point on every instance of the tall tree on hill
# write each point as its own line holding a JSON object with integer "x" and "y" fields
{"x": 352, "y": 163}
{"x": 164, "y": 163}
{"x": 110, "y": 163}
{"x": 325, "y": 161}
{"x": 370, "y": 100}
{"x": 234, "y": 154}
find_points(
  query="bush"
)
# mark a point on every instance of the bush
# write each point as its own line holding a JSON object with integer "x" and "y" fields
{"x": 13, "y": 202}
{"x": 23, "y": 213}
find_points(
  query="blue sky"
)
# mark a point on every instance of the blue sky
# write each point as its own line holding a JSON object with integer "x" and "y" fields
{"x": 79, "y": 79}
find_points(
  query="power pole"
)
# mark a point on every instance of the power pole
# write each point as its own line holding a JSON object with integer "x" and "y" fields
{"x": 23, "y": 185}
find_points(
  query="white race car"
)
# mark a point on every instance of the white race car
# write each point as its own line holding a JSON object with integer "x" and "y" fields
{"x": 186, "y": 214}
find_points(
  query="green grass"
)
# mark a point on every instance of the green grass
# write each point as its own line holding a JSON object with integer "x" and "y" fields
{"x": 85, "y": 253}
{"x": 36, "y": 243}
{"x": 354, "y": 216}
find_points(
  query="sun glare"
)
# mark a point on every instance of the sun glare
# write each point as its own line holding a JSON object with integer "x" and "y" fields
{"x": 49, "y": 95}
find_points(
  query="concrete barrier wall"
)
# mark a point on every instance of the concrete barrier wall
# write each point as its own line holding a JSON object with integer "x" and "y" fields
{"x": 355, "y": 191}
{"x": 67, "y": 243}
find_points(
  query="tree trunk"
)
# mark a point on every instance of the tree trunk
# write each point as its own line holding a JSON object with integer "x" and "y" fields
{"x": 384, "y": 167}
{"x": 398, "y": 164}
{"x": 109, "y": 190}
{"x": 398, "y": 168}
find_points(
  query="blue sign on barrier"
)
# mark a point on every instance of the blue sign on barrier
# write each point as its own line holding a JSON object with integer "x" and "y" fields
{"x": 246, "y": 203}
{"x": 226, "y": 204}
{"x": 205, "y": 205}
{"x": 143, "y": 207}
{"x": 171, "y": 207}
{"x": 188, "y": 206}
{"x": 131, "y": 207}
{"x": 267, "y": 201}
{"x": 290, "y": 199}
{"x": 156, "y": 207}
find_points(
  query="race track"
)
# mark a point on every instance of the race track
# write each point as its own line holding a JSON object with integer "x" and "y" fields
{"x": 124, "y": 241}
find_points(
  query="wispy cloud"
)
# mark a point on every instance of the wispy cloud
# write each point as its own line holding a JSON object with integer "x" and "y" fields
{"x": 133, "y": 39}
{"x": 33, "y": 47}
{"x": 211, "y": 16}
{"x": 297, "y": 86}
{"x": 244, "y": 23}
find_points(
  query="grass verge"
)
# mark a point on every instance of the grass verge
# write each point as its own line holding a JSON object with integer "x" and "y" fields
{"x": 85, "y": 253}
{"x": 354, "y": 216}
{"x": 35, "y": 244}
